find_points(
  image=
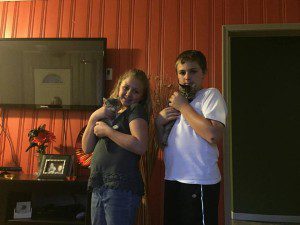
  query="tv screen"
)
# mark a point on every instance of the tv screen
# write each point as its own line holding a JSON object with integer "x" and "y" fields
{"x": 52, "y": 73}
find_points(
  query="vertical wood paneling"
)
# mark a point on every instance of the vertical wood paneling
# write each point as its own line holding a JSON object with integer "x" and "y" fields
{"x": 12, "y": 120}
{"x": 110, "y": 23}
{"x": 124, "y": 25}
{"x": 217, "y": 46}
{"x": 60, "y": 18}
{"x": 147, "y": 34}
{"x": 264, "y": 10}
{"x": 15, "y": 20}
{"x": 202, "y": 25}
{"x": 52, "y": 19}
{"x": 292, "y": 9}
{"x": 2, "y": 18}
{"x": 19, "y": 132}
{"x": 31, "y": 14}
{"x": 81, "y": 14}
{"x": 155, "y": 48}
{"x": 9, "y": 19}
{"x": 140, "y": 34}
{"x": 25, "y": 159}
{"x": 273, "y": 11}
{"x": 212, "y": 38}
{"x": 283, "y": 10}
{"x": 23, "y": 24}
{"x": 216, "y": 78}
{"x": 89, "y": 20}
{"x": 38, "y": 18}
{"x": 109, "y": 27}
{"x": 245, "y": 11}
{"x": 171, "y": 42}
{"x": 67, "y": 18}
{"x": 186, "y": 25}
{"x": 95, "y": 21}
{"x": 255, "y": 11}
{"x": 154, "y": 39}
{"x": 234, "y": 11}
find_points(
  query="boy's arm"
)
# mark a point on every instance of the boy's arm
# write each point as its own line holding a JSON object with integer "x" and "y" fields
{"x": 165, "y": 116}
{"x": 210, "y": 130}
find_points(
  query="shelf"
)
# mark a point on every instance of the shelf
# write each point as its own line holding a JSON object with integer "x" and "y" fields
{"x": 43, "y": 195}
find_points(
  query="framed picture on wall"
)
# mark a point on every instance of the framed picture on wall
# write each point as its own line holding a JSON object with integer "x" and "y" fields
{"x": 52, "y": 86}
{"x": 55, "y": 166}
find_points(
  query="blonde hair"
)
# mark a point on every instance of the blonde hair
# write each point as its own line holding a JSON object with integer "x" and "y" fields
{"x": 142, "y": 77}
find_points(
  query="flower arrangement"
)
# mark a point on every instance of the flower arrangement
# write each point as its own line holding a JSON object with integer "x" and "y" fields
{"x": 39, "y": 137}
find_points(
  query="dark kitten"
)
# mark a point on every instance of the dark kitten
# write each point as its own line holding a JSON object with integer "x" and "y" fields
{"x": 187, "y": 91}
{"x": 114, "y": 105}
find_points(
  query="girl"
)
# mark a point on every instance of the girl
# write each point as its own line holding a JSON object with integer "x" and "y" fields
{"x": 115, "y": 178}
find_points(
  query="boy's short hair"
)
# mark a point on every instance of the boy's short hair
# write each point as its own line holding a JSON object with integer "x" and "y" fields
{"x": 192, "y": 56}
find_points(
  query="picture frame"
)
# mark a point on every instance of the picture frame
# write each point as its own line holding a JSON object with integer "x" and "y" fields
{"x": 52, "y": 86}
{"x": 55, "y": 166}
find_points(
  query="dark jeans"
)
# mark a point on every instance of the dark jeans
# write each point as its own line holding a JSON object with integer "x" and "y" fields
{"x": 191, "y": 204}
{"x": 113, "y": 207}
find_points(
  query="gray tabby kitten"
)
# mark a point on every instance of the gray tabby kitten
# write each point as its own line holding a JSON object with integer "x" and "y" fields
{"x": 187, "y": 91}
{"x": 114, "y": 105}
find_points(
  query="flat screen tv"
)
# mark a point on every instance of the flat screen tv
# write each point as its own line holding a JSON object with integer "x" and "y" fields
{"x": 64, "y": 73}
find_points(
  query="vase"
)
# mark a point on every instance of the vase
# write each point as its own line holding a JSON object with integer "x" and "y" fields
{"x": 39, "y": 157}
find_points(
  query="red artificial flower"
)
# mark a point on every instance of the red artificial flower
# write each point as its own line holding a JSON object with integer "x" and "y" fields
{"x": 43, "y": 138}
{"x": 39, "y": 137}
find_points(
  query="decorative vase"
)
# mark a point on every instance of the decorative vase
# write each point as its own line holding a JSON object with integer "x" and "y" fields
{"x": 39, "y": 157}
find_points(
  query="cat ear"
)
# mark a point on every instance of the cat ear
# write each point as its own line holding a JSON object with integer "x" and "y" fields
{"x": 104, "y": 100}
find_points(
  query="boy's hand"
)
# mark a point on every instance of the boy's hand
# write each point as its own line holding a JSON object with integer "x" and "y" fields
{"x": 177, "y": 101}
{"x": 166, "y": 115}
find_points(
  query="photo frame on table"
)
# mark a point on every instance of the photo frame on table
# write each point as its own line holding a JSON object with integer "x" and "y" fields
{"x": 55, "y": 166}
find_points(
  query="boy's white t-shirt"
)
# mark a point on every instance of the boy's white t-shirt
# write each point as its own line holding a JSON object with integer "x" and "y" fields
{"x": 188, "y": 157}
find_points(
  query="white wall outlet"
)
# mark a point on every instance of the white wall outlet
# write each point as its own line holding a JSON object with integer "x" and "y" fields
{"x": 109, "y": 72}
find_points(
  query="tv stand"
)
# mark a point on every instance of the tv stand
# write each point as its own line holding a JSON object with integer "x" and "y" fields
{"x": 53, "y": 202}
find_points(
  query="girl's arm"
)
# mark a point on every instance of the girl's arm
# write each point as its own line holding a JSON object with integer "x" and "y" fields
{"x": 210, "y": 130}
{"x": 136, "y": 142}
{"x": 89, "y": 139}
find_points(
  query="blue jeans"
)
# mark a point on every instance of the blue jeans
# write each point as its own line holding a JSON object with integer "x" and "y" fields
{"x": 113, "y": 207}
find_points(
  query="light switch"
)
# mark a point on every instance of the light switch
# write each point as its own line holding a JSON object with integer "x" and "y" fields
{"x": 109, "y": 72}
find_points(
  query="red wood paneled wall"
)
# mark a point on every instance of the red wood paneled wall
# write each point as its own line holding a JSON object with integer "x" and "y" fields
{"x": 146, "y": 34}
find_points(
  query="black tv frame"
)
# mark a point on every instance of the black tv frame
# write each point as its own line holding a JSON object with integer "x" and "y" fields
{"x": 100, "y": 90}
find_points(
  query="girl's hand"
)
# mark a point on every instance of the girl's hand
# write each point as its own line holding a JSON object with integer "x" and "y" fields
{"x": 166, "y": 115}
{"x": 177, "y": 101}
{"x": 102, "y": 113}
{"x": 101, "y": 129}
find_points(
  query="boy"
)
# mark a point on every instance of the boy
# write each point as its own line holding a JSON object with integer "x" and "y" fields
{"x": 192, "y": 176}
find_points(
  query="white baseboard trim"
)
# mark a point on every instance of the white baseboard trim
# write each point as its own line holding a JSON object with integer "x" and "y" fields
{"x": 265, "y": 218}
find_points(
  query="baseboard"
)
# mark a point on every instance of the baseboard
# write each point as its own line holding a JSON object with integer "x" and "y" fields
{"x": 265, "y": 218}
